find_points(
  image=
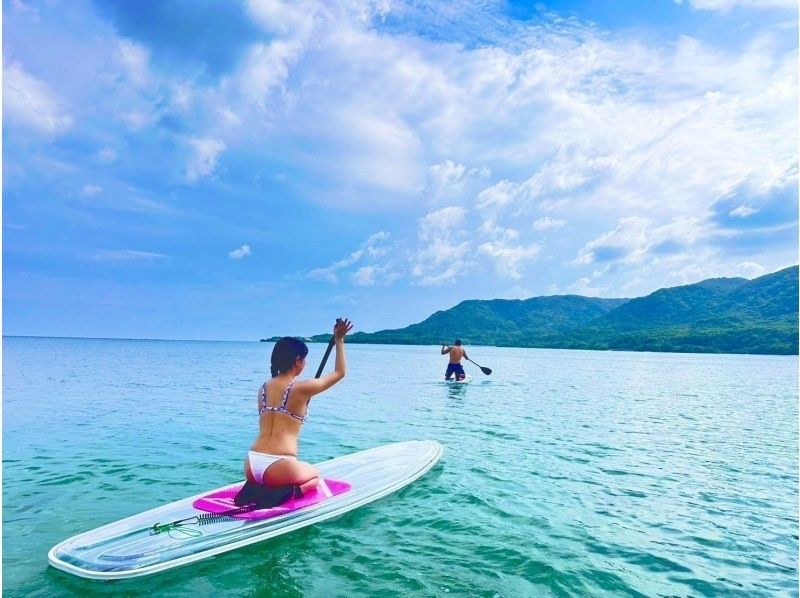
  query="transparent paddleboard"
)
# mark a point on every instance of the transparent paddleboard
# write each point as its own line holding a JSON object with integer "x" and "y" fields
{"x": 129, "y": 547}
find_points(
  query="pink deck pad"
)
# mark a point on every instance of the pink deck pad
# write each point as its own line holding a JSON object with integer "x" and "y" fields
{"x": 220, "y": 501}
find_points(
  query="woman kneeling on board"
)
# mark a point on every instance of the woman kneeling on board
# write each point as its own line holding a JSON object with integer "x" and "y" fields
{"x": 282, "y": 409}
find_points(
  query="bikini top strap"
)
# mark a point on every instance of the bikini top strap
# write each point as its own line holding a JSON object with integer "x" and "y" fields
{"x": 286, "y": 395}
{"x": 262, "y": 399}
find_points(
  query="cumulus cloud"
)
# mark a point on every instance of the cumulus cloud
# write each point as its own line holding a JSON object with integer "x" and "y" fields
{"x": 447, "y": 175}
{"x": 368, "y": 276}
{"x": 441, "y": 257}
{"x": 491, "y": 229}
{"x": 374, "y": 247}
{"x": 498, "y": 195}
{"x": 203, "y": 160}
{"x": 438, "y": 222}
{"x": 684, "y": 271}
{"x": 449, "y": 178}
{"x": 508, "y": 259}
{"x": 547, "y": 223}
{"x": 587, "y": 287}
{"x": 743, "y": 211}
{"x": 240, "y": 253}
{"x": 30, "y": 103}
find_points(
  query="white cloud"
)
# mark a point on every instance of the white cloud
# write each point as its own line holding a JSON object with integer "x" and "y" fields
{"x": 509, "y": 260}
{"x": 491, "y": 229}
{"x": 439, "y": 222}
{"x": 91, "y": 190}
{"x": 447, "y": 175}
{"x": 364, "y": 276}
{"x": 498, "y": 195}
{"x": 743, "y": 211}
{"x": 368, "y": 276}
{"x": 266, "y": 69}
{"x": 750, "y": 269}
{"x": 441, "y": 257}
{"x": 548, "y": 223}
{"x": 126, "y": 255}
{"x": 134, "y": 59}
{"x": 449, "y": 178}
{"x": 636, "y": 240}
{"x": 25, "y": 8}
{"x": 107, "y": 155}
{"x": 448, "y": 274}
{"x": 182, "y": 96}
{"x": 240, "y": 253}
{"x": 203, "y": 160}
{"x": 726, "y": 5}
{"x": 137, "y": 120}
{"x": 372, "y": 248}
{"x": 689, "y": 271}
{"x": 629, "y": 242}
{"x": 378, "y": 150}
{"x": 288, "y": 19}
{"x": 29, "y": 103}
{"x": 229, "y": 115}
{"x": 585, "y": 286}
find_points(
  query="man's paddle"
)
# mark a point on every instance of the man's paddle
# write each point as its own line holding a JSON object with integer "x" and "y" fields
{"x": 486, "y": 371}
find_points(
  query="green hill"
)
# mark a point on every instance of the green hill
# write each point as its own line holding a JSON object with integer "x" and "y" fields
{"x": 721, "y": 315}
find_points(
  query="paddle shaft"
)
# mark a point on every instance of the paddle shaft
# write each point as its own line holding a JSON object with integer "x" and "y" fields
{"x": 325, "y": 357}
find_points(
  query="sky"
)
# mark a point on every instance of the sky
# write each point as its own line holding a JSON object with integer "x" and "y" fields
{"x": 197, "y": 169}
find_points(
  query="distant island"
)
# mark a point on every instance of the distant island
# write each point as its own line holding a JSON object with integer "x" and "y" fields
{"x": 718, "y": 315}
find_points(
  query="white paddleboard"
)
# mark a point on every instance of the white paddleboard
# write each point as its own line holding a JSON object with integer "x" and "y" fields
{"x": 129, "y": 548}
{"x": 454, "y": 381}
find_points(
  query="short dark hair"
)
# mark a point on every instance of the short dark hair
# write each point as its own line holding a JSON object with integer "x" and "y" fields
{"x": 458, "y": 342}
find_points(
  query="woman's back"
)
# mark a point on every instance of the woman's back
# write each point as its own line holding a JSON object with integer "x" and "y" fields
{"x": 282, "y": 411}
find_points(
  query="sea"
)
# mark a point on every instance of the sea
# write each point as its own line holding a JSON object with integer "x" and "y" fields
{"x": 565, "y": 473}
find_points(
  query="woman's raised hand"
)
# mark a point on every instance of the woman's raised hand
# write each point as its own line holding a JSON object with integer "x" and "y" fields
{"x": 342, "y": 327}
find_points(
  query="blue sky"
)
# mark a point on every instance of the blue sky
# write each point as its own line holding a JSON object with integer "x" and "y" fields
{"x": 233, "y": 170}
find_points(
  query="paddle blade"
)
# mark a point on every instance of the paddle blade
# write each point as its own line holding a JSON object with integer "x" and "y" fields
{"x": 486, "y": 371}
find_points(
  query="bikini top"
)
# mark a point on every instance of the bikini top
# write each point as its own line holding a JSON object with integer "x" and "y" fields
{"x": 264, "y": 406}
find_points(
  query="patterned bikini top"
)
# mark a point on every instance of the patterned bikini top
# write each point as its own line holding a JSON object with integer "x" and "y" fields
{"x": 264, "y": 406}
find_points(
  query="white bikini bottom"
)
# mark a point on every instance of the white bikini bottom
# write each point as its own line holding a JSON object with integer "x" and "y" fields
{"x": 260, "y": 462}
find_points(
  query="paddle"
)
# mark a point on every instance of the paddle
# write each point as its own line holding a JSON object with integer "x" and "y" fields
{"x": 327, "y": 353}
{"x": 486, "y": 371}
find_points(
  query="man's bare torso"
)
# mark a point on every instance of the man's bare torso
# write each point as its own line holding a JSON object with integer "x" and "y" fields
{"x": 456, "y": 354}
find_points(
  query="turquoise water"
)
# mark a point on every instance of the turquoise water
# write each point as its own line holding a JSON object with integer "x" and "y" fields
{"x": 565, "y": 472}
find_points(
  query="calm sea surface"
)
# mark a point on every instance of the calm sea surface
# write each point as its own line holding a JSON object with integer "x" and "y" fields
{"x": 565, "y": 472}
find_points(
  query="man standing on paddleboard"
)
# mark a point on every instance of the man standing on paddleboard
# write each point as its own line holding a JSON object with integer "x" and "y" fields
{"x": 457, "y": 353}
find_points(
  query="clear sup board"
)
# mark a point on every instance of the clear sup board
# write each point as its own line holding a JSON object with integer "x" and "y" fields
{"x": 453, "y": 380}
{"x": 130, "y": 548}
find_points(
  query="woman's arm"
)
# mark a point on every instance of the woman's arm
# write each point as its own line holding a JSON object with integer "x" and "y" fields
{"x": 318, "y": 385}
